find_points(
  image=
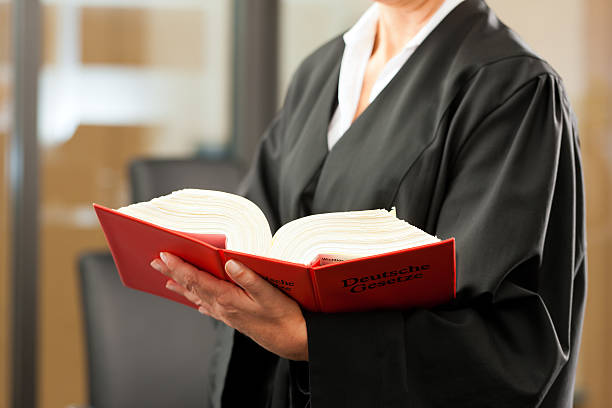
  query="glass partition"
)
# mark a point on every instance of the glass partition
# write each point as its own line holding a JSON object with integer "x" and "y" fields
{"x": 120, "y": 79}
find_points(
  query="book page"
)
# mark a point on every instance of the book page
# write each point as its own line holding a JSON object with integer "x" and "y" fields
{"x": 207, "y": 212}
{"x": 337, "y": 237}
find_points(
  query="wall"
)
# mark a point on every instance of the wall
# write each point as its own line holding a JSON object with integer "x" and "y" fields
{"x": 596, "y": 128}
{"x": 297, "y": 37}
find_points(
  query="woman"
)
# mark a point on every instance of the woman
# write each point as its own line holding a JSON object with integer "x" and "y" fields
{"x": 438, "y": 109}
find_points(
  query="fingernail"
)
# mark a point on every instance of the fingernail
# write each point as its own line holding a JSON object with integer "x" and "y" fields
{"x": 170, "y": 285}
{"x": 164, "y": 257}
{"x": 232, "y": 267}
{"x": 155, "y": 265}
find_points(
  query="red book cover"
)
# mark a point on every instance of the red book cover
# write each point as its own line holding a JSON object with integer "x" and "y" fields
{"x": 421, "y": 276}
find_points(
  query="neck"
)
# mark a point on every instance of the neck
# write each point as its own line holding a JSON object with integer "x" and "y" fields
{"x": 399, "y": 21}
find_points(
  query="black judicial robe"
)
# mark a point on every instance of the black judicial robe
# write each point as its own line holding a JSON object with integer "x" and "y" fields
{"x": 474, "y": 139}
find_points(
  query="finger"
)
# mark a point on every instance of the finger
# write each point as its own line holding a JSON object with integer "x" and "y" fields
{"x": 176, "y": 288}
{"x": 201, "y": 284}
{"x": 160, "y": 266}
{"x": 205, "y": 311}
{"x": 254, "y": 285}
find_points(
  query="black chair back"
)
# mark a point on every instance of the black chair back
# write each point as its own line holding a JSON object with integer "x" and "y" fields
{"x": 152, "y": 178}
{"x": 143, "y": 351}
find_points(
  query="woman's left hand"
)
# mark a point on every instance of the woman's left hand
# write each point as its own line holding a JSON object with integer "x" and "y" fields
{"x": 253, "y": 306}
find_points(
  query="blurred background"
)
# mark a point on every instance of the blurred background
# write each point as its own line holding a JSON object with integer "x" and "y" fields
{"x": 87, "y": 86}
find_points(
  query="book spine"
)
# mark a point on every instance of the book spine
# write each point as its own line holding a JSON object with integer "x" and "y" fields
{"x": 315, "y": 288}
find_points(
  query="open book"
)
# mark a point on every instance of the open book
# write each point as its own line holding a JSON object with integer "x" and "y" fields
{"x": 335, "y": 262}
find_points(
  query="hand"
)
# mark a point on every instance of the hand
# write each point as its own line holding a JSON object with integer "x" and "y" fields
{"x": 253, "y": 306}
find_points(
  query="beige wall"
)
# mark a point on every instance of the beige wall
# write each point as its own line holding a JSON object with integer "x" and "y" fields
{"x": 596, "y": 353}
{"x": 596, "y": 128}
{"x": 5, "y": 37}
{"x": 140, "y": 37}
{"x": 297, "y": 37}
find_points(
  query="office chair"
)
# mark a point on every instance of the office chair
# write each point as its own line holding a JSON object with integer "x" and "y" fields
{"x": 145, "y": 351}
{"x": 152, "y": 178}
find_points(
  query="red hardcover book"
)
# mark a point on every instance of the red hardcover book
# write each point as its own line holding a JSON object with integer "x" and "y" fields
{"x": 421, "y": 276}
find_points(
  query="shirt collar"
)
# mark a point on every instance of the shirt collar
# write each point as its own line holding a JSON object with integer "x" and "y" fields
{"x": 364, "y": 28}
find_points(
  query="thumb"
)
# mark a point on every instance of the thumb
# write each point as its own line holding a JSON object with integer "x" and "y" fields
{"x": 253, "y": 284}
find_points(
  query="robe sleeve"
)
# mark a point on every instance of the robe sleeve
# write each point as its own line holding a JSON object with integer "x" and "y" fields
{"x": 514, "y": 204}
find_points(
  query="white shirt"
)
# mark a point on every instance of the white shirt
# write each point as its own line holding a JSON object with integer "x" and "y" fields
{"x": 359, "y": 41}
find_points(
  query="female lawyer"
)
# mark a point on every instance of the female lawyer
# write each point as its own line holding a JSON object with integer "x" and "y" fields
{"x": 438, "y": 109}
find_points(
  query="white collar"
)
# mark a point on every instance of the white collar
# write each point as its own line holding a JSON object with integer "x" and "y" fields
{"x": 359, "y": 42}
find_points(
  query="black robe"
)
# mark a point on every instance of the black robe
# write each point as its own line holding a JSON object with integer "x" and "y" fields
{"x": 474, "y": 139}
